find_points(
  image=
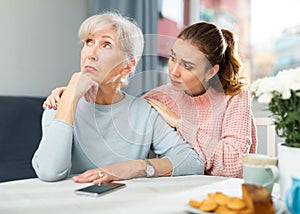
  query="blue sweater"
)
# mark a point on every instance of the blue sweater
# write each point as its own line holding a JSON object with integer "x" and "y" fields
{"x": 109, "y": 134}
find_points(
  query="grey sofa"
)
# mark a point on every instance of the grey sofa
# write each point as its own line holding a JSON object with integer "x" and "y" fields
{"x": 20, "y": 133}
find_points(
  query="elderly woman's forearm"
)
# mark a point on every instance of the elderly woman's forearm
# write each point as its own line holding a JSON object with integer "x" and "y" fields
{"x": 57, "y": 139}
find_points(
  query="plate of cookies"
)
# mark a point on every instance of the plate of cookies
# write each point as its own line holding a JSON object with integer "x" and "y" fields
{"x": 255, "y": 199}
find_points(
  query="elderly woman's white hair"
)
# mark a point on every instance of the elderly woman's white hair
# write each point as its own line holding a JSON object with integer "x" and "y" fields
{"x": 129, "y": 35}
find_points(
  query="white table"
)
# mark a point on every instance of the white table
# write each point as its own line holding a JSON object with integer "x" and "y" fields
{"x": 143, "y": 195}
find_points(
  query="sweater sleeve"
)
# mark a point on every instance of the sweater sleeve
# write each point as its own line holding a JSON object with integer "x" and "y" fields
{"x": 52, "y": 159}
{"x": 221, "y": 139}
{"x": 189, "y": 132}
{"x": 184, "y": 158}
{"x": 167, "y": 143}
{"x": 223, "y": 146}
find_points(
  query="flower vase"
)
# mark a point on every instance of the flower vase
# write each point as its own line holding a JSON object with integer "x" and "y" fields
{"x": 288, "y": 164}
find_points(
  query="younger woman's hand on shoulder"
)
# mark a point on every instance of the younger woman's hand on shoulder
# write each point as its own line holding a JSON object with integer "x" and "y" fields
{"x": 165, "y": 112}
{"x": 54, "y": 98}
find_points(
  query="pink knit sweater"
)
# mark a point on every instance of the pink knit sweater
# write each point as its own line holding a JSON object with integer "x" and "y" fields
{"x": 220, "y": 127}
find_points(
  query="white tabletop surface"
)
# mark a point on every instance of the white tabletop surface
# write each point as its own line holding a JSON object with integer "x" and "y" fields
{"x": 143, "y": 195}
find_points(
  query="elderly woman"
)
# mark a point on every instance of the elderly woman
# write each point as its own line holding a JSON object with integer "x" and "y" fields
{"x": 109, "y": 138}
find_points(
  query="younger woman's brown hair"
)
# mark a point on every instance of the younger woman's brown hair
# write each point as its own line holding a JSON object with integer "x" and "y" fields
{"x": 220, "y": 48}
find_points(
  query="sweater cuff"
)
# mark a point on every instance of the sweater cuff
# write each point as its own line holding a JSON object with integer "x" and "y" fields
{"x": 188, "y": 131}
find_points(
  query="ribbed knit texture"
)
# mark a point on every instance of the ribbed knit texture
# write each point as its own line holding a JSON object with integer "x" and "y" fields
{"x": 220, "y": 127}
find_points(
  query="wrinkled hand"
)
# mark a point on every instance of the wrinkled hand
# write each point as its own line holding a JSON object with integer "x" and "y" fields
{"x": 121, "y": 171}
{"x": 86, "y": 84}
{"x": 165, "y": 112}
{"x": 80, "y": 85}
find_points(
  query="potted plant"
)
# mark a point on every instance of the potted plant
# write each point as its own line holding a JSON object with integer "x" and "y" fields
{"x": 281, "y": 94}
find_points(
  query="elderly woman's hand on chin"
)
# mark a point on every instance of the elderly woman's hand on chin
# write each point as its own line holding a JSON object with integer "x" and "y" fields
{"x": 121, "y": 171}
{"x": 82, "y": 84}
{"x": 87, "y": 88}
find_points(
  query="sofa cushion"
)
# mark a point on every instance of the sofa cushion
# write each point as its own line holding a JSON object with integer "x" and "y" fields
{"x": 20, "y": 134}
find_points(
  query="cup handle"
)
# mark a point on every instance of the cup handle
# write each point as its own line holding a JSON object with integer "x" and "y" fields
{"x": 289, "y": 198}
{"x": 275, "y": 174}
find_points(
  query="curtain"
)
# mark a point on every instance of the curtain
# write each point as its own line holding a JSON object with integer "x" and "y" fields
{"x": 145, "y": 13}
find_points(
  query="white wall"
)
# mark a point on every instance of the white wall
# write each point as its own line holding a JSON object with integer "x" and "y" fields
{"x": 39, "y": 47}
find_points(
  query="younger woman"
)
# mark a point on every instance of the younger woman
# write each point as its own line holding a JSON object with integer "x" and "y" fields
{"x": 207, "y": 101}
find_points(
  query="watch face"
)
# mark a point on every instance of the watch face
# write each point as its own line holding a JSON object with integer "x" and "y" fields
{"x": 150, "y": 171}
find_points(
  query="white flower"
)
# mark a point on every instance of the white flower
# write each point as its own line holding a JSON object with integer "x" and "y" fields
{"x": 265, "y": 98}
{"x": 282, "y": 95}
{"x": 282, "y": 84}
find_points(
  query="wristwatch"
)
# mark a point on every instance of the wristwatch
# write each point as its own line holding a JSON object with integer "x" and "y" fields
{"x": 150, "y": 170}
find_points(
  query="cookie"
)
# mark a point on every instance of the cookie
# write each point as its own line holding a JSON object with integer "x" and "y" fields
{"x": 221, "y": 198}
{"x": 208, "y": 205}
{"x": 195, "y": 203}
{"x": 236, "y": 203}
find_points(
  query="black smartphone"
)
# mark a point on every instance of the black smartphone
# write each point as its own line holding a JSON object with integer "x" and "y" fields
{"x": 97, "y": 190}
